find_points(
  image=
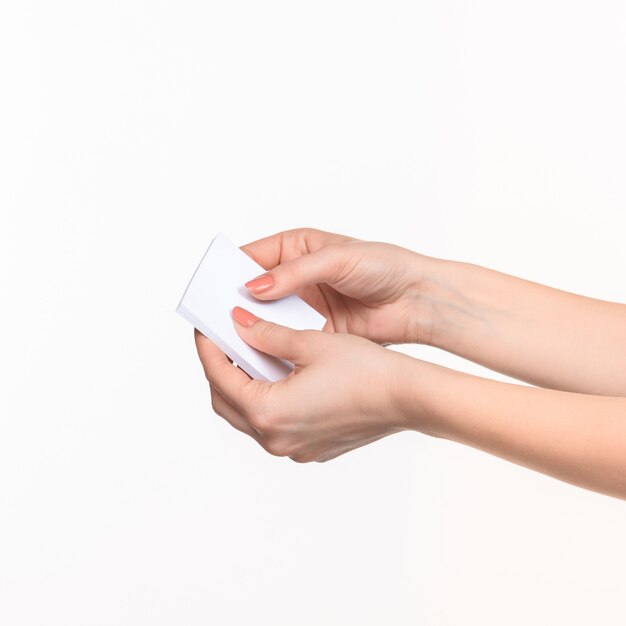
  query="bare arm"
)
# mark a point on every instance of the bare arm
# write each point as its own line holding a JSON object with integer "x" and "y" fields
{"x": 388, "y": 294}
{"x": 346, "y": 392}
{"x": 532, "y": 332}
{"x": 577, "y": 438}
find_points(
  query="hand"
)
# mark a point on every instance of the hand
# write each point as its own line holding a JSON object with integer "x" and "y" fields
{"x": 369, "y": 289}
{"x": 338, "y": 397}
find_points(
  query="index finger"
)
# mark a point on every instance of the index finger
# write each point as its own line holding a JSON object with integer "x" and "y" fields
{"x": 267, "y": 251}
{"x": 283, "y": 246}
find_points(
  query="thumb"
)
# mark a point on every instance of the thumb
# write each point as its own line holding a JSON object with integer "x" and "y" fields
{"x": 321, "y": 266}
{"x": 274, "y": 339}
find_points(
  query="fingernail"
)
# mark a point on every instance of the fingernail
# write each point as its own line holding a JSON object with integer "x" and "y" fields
{"x": 260, "y": 283}
{"x": 243, "y": 317}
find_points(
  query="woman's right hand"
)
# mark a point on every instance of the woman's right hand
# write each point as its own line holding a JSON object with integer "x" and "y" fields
{"x": 370, "y": 289}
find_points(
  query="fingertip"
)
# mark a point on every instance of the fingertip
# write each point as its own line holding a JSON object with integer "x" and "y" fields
{"x": 260, "y": 284}
{"x": 243, "y": 316}
{"x": 198, "y": 337}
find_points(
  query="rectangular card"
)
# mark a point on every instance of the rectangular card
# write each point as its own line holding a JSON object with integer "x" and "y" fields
{"x": 217, "y": 286}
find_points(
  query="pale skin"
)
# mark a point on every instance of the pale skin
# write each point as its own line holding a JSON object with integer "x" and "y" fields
{"x": 348, "y": 389}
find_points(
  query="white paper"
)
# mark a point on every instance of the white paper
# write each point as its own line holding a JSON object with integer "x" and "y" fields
{"x": 217, "y": 286}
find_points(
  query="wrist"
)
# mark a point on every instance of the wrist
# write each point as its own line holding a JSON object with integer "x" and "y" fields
{"x": 446, "y": 307}
{"x": 417, "y": 388}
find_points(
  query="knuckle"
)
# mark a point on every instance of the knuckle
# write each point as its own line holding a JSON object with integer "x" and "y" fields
{"x": 275, "y": 447}
{"x": 263, "y": 423}
{"x": 299, "y": 341}
{"x": 258, "y": 411}
{"x": 291, "y": 270}
{"x": 258, "y": 421}
{"x": 309, "y": 336}
{"x": 340, "y": 261}
{"x": 215, "y": 402}
{"x": 266, "y": 332}
{"x": 308, "y": 339}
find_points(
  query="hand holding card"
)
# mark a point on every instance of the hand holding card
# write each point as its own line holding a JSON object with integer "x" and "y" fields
{"x": 217, "y": 286}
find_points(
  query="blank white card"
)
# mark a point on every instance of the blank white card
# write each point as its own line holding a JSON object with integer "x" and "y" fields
{"x": 217, "y": 286}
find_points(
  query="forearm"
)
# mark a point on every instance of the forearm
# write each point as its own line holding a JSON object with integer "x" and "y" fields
{"x": 532, "y": 332}
{"x": 577, "y": 438}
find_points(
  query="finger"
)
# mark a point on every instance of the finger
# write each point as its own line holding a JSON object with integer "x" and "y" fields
{"x": 224, "y": 409}
{"x": 275, "y": 339}
{"x": 269, "y": 251}
{"x": 327, "y": 265}
{"x": 266, "y": 251}
{"x": 232, "y": 382}
{"x": 235, "y": 364}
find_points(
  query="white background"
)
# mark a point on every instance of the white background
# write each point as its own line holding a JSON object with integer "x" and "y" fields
{"x": 130, "y": 133}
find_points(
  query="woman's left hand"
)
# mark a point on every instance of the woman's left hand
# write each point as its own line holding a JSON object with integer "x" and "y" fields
{"x": 340, "y": 396}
